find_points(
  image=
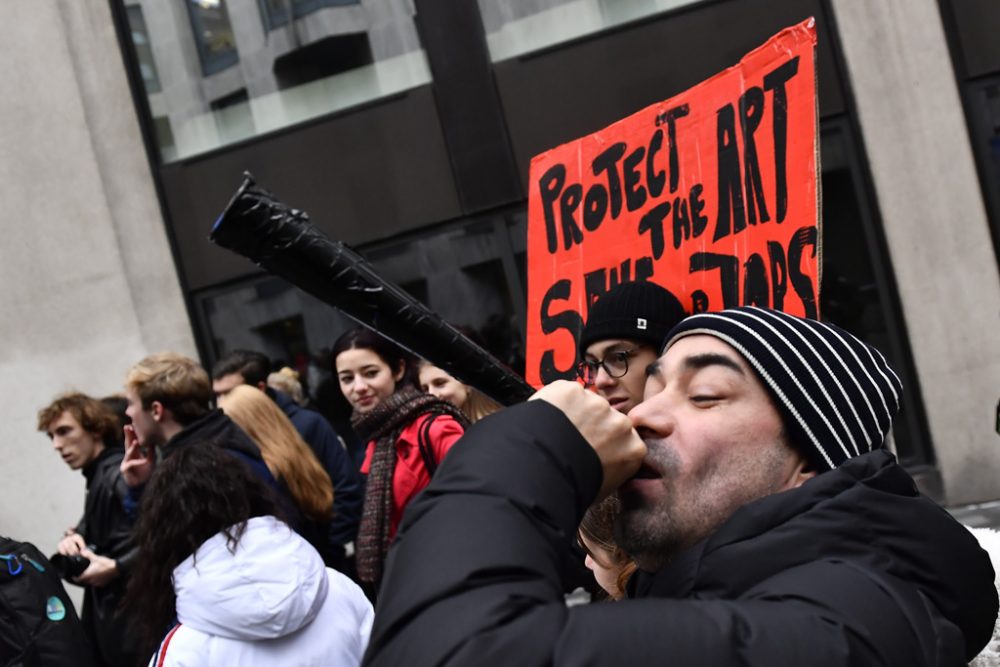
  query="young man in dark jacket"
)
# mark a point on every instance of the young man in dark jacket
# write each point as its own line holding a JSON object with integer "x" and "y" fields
{"x": 169, "y": 402}
{"x": 769, "y": 525}
{"x": 83, "y": 432}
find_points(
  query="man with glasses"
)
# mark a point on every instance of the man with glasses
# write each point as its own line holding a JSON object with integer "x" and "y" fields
{"x": 621, "y": 338}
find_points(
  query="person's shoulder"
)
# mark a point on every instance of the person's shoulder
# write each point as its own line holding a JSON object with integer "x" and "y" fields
{"x": 110, "y": 458}
{"x": 347, "y": 612}
{"x": 438, "y": 423}
{"x": 309, "y": 423}
{"x": 183, "y": 645}
{"x": 213, "y": 424}
{"x": 347, "y": 592}
{"x": 108, "y": 468}
{"x": 312, "y": 419}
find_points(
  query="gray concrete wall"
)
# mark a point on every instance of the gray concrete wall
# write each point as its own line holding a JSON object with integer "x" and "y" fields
{"x": 87, "y": 283}
{"x": 935, "y": 222}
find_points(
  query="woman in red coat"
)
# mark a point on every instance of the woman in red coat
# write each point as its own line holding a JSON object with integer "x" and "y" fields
{"x": 408, "y": 434}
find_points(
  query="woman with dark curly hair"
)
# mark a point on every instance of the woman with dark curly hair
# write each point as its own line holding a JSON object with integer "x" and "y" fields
{"x": 231, "y": 582}
{"x": 408, "y": 434}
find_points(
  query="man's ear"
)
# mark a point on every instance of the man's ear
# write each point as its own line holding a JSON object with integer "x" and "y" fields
{"x": 157, "y": 410}
{"x": 262, "y": 386}
{"x": 801, "y": 473}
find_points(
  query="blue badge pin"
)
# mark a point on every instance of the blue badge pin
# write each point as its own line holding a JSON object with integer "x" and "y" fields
{"x": 55, "y": 609}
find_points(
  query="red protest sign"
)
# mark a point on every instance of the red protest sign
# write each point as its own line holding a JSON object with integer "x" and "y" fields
{"x": 711, "y": 194}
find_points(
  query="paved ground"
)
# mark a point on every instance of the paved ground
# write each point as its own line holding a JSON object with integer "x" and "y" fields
{"x": 980, "y": 515}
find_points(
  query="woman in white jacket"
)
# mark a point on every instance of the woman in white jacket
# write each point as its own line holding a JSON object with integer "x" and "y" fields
{"x": 222, "y": 581}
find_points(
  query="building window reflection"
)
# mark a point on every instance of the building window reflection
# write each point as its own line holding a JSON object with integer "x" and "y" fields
{"x": 514, "y": 27}
{"x": 275, "y": 12}
{"x": 143, "y": 49}
{"x": 213, "y": 35}
{"x": 323, "y": 62}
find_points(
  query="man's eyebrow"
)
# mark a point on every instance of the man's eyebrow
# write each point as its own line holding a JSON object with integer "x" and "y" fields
{"x": 699, "y": 361}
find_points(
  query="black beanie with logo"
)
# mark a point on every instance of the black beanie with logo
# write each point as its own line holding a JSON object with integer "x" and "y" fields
{"x": 637, "y": 311}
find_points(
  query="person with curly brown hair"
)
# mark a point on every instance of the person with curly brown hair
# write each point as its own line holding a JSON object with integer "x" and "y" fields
{"x": 84, "y": 432}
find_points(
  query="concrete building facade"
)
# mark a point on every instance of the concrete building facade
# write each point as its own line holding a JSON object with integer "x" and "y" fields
{"x": 89, "y": 282}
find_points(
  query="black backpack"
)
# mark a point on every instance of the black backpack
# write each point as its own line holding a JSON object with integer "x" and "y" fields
{"x": 38, "y": 624}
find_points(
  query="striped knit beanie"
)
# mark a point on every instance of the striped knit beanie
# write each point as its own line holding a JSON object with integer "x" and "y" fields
{"x": 837, "y": 395}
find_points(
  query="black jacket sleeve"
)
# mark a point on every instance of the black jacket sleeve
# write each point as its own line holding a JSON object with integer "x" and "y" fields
{"x": 348, "y": 490}
{"x": 473, "y": 578}
{"x": 479, "y": 553}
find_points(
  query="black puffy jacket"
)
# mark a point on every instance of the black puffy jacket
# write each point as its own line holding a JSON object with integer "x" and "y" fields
{"x": 854, "y": 567}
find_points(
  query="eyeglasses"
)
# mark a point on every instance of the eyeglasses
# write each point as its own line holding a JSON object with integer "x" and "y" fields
{"x": 615, "y": 364}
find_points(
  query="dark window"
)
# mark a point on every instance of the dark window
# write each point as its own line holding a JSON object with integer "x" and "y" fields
{"x": 983, "y": 100}
{"x": 326, "y": 57}
{"x": 858, "y": 291}
{"x": 286, "y": 341}
{"x": 466, "y": 272}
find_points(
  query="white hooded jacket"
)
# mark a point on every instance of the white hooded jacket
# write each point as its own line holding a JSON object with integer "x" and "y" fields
{"x": 270, "y": 603}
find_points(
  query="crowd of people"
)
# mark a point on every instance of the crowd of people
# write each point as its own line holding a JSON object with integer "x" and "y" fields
{"x": 723, "y": 476}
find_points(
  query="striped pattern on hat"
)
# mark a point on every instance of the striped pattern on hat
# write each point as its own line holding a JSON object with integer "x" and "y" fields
{"x": 836, "y": 394}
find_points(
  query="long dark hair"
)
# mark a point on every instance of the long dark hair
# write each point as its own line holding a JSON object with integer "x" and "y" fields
{"x": 201, "y": 490}
{"x": 363, "y": 338}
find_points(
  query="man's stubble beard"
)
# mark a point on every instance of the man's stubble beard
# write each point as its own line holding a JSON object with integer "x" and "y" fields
{"x": 654, "y": 533}
{"x": 646, "y": 530}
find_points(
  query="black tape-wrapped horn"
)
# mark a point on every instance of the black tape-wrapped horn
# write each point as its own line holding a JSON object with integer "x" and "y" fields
{"x": 282, "y": 241}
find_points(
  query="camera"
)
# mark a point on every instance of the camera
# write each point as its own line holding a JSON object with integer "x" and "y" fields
{"x": 69, "y": 567}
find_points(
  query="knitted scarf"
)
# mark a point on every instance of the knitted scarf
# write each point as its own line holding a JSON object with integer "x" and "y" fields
{"x": 384, "y": 423}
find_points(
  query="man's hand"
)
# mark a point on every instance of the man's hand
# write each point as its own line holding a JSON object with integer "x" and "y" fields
{"x": 101, "y": 571}
{"x": 137, "y": 465}
{"x": 72, "y": 544}
{"x": 608, "y": 431}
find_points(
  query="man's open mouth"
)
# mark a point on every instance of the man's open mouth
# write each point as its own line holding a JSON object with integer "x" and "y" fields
{"x": 645, "y": 472}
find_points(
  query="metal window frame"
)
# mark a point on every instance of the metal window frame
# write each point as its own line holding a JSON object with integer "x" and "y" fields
{"x": 979, "y": 122}
{"x": 136, "y": 11}
{"x": 273, "y": 19}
